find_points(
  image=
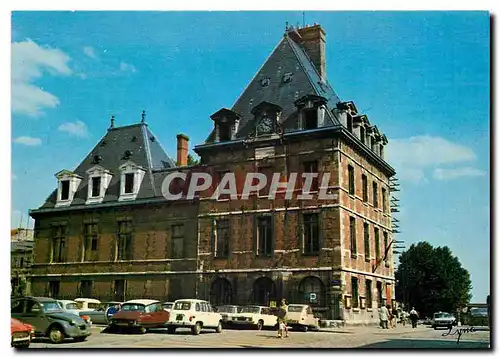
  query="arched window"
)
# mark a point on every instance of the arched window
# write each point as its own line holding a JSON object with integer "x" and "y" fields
{"x": 312, "y": 287}
{"x": 221, "y": 292}
{"x": 264, "y": 290}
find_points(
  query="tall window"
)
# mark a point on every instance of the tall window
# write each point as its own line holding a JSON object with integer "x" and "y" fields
{"x": 377, "y": 244}
{"x": 362, "y": 134}
{"x": 375, "y": 194}
{"x": 312, "y": 167}
{"x": 90, "y": 242}
{"x": 368, "y": 293}
{"x": 64, "y": 189}
{"x": 222, "y": 238}
{"x": 366, "y": 233}
{"x": 59, "y": 244}
{"x": 54, "y": 289}
{"x": 310, "y": 118}
{"x": 352, "y": 233}
{"x": 384, "y": 200}
{"x": 129, "y": 183}
{"x": 96, "y": 186}
{"x": 85, "y": 288}
{"x": 311, "y": 234}
{"x": 125, "y": 240}
{"x": 264, "y": 236}
{"x": 349, "y": 122}
{"x": 355, "y": 292}
{"x": 350, "y": 171}
{"x": 120, "y": 290}
{"x": 386, "y": 244}
{"x": 364, "y": 181}
{"x": 177, "y": 241}
{"x": 224, "y": 132}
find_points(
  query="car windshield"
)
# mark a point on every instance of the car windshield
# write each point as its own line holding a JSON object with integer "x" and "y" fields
{"x": 479, "y": 311}
{"x": 167, "y": 306}
{"x": 71, "y": 306}
{"x": 182, "y": 305}
{"x": 133, "y": 307}
{"x": 250, "y": 309}
{"x": 295, "y": 308}
{"x": 79, "y": 305}
{"x": 50, "y": 306}
{"x": 442, "y": 315}
{"x": 227, "y": 309}
{"x": 93, "y": 305}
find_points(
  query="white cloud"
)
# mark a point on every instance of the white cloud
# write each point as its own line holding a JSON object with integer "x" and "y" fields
{"x": 78, "y": 129}
{"x": 445, "y": 174}
{"x": 30, "y": 141}
{"x": 125, "y": 67}
{"x": 412, "y": 157}
{"x": 29, "y": 62}
{"x": 89, "y": 51}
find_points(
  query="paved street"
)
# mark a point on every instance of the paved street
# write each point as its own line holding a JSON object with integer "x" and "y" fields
{"x": 358, "y": 337}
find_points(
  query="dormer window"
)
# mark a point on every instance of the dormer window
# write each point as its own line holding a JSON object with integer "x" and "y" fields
{"x": 362, "y": 134}
{"x": 130, "y": 180}
{"x": 98, "y": 182}
{"x": 311, "y": 111}
{"x": 68, "y": 183}
{"x": 349, "y": 122}
{"x": 226, "y": 124}
{"x": 310, "y": 119}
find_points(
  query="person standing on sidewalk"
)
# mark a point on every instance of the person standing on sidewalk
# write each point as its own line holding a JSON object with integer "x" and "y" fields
{"x": 413, "y": 317}
{"x": 394, "y": 316}
{"x": 282, "y": 328}
{"x": 383, "y": 313}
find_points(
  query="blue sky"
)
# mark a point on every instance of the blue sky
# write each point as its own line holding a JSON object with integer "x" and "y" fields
{"x": 421, "y": 77}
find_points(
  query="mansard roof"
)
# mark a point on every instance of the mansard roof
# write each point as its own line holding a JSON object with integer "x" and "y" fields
{"x": 119, "y": 145}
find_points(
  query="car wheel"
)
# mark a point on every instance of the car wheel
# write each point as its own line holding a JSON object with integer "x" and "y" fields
{"x": 142, "y": 330}
{"x": 196, "y": 329}
{"x": 80, "y": 339}
{"x": 171, "y": 330}
{"x": 305, "y": 328}
{"x": 219, "y": 328}
{"x": 260, "y": 325}
{"x": 434, "y": 327}
{"x": 56, "y": 334}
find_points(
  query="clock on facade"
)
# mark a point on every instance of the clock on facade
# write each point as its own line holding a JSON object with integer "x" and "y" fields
{"x": 265, "y": 125}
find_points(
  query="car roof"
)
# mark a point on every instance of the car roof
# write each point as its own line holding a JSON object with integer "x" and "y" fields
{"x": 144, "y": 302}
{"x": 91, "y": 300}
{"x": 42, "y": 299}
{"x": 66, "y": 301}
{"x": 191, "y": 300}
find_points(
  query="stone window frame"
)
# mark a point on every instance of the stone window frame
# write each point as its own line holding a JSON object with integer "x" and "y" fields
{"x": 88, "y": 239}
{"x": 375, "y": 194}
{"x": 369, "y": 293}
{"x": 215, "y": 242}
{"x": 180, "y": 237}
{"x": 73, "y": 180}
{"x": 105, "y": 176}
{"x": 351, "y": 180}
{"x": 257, "y": 242}
{"x": 366, "y": 240}
{"x": 355, "y": 293}
{"x": 124, "y": 236}
{"x": 317, "y": 214}
{"x": 353, "y": 245}
{"x": 130, "y": 167}
{"x": 59, "y": 238}
{"x": 364, "y": 188}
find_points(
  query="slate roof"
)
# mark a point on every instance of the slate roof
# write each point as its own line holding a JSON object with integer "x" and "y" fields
{"x": 145, "y": 150}
{"x": 288, "y": 57}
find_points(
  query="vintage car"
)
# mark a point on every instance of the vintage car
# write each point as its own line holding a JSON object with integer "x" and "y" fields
{"x": 227, "y": 312}
{"x": 72, "y": 307}
{"x": 21, "y": 333}
{"x": 139, "y": 315}
{"x": 167, "y": 306}
{"x": 443, "y": 319}
{"x": 255, "y": 316}
{"x": 103, "y": 313}
{"x": 87, "y": 304}
{"x": 301, "y": 317}
{"x": 194, "y": 314}
{"x": 49, "y": 320}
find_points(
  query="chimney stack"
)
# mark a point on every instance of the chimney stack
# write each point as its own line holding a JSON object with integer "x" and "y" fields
{"x": 313, "y": 41}
{"x": 182, "y": 149}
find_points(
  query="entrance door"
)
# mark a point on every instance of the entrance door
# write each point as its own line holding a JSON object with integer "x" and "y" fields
{"x": 120, "y": 290}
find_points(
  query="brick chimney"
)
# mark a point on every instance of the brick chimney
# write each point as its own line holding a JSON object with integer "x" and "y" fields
{"x": 313, "y": 41}
{"x": 182, "y": 149}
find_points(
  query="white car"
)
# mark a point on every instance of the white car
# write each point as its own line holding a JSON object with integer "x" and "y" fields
{"x": 256, "y": 316}
{"x": 87, "y": 304}
{"x": 301, "y": 317}
{"x": 167, "y": 306}
{"x": 193, "y": 314}
{"x": 72, "y": 307}
{"x": 443, "y": 319}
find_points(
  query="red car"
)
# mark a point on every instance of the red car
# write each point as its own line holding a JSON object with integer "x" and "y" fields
{"x": 139, "y": 315}
{"x": 21, "y": 333}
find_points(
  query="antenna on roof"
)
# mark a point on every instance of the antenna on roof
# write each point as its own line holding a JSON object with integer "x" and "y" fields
{"x": 286, "y": 26}
{"x": 112, "y": 122}
{"x": 303, "y": 19}
{"x": 143, "y": 116}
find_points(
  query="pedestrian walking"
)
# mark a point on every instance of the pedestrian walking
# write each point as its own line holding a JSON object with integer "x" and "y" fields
{"x": 413, "y": 317}
{"x": 383, "y": 314}
{"x": 394, "y": 316}
{"x": 282, "y": 328}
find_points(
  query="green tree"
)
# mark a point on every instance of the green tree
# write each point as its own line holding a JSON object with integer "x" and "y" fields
{"x": 431, "y": 279}
{"x": 192, "y": 160}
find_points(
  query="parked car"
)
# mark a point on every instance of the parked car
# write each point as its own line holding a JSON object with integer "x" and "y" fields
{"x": 443, "y": 319}
{"x": 167, "y": 306}
{"x": 49, "y": 320}
{"x": 72, "y": 307}
{"x": 476, "y": 315}
{"x": 139, "y": 315}
{"x": 21, "y": 333}
{"x": 103, "y": 313}
{"x": 227, "y": 312}
{"x": 301, "y": 317}
{"x": 87, "y": 304}
{"x": 194, "y": 314}
{"x": 255, "y": 316}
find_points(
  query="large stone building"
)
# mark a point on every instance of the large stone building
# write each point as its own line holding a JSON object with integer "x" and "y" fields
{"x": 108, "y": 232}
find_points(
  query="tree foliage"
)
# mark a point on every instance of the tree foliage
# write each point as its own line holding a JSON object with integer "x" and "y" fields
{"x": 192, "y": 160}
{"x": 431, "y": 279}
